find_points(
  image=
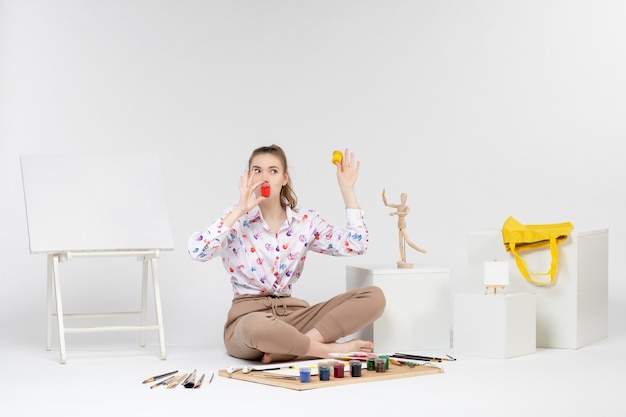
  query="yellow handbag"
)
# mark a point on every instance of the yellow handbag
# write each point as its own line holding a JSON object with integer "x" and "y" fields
{"x": 518, "y": 237}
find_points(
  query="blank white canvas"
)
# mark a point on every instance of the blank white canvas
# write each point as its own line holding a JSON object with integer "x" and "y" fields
{"x": 496, "y": 273}
{"x": 86, "y": 202}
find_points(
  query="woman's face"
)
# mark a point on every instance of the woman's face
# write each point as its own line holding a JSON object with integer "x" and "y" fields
{"x": 268, "y": 168}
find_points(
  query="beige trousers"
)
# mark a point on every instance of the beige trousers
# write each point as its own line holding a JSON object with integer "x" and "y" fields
{"x": 264, "y": 324}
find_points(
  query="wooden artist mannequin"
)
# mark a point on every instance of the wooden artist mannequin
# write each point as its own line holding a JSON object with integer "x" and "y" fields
{"x": 401, "y": 211}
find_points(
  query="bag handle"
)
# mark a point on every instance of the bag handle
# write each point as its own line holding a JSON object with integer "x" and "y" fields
{"x": 523, "y": 266}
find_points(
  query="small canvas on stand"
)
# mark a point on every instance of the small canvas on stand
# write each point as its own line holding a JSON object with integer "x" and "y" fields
{"x": 496, "y": 275}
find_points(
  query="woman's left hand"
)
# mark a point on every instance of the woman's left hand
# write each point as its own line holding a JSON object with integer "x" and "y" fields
{"x": 347, "y": 170}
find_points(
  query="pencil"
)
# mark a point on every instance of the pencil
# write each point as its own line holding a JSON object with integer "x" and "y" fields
{"x": 154, "y": 378}
{"x": 199, "y": 382}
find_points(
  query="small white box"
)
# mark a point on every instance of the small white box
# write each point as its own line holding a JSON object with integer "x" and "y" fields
{"x": 494, "y": 326}
{"x": 572, "y": 312}
{"x": 417, "y": 314}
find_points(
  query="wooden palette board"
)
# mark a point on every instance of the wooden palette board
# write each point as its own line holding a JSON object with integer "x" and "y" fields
{"x": 394, "y": 372}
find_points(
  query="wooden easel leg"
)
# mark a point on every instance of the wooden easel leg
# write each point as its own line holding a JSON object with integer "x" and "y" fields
{"x": 49, "y": 303}
{"x": 157, "y": 304}
{"x": 144, "y": 298}
{"x": 59, "y": 305}
{"x": 495, "y": 289}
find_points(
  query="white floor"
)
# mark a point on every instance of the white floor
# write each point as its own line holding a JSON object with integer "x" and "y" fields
{"x": 99, "y": 381}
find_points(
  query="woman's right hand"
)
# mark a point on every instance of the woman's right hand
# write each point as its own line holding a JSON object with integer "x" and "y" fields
{"x": 248, "y": 195}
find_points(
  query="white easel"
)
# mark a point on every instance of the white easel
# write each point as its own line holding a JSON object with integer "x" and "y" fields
{"x": 97, "y": 206}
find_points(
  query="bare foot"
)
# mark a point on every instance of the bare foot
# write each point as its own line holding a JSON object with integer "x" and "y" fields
{"x": 324, "y": 350}
{"x": 354, "y": 345}
{"x": 320, "y": 349}
{"x": 275, "y": 357}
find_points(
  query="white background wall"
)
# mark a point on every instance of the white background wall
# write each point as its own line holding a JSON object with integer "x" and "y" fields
{"x": 476, "y": 109}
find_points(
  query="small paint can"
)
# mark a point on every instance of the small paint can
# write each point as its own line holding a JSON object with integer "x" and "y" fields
{"x": 337, "y": 157}
{"x": 338, "y": 369}
{"x": 380, "y": 364}
{"x": 355, "y": 368}
{"x": 305, "y": 374}
{"x": 324, "y": 371}
{"x": 371, "y": 363}
{"x": 386, "y": 358}
{"x": 265, "y": 189}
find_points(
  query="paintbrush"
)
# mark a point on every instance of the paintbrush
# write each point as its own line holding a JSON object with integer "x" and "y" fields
{"x": 176, "y": 381}
{"x": 164, "y": 382}
{"x": 248, "y": 369}
{"x": 190, "y": 381}
{"x": 276, "y": 376}
{"x": 417, "y": 357}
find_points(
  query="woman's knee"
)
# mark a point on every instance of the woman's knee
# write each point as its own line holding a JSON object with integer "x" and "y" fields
{"x": 376, "y": 297}
{"x": 251, "y": 325}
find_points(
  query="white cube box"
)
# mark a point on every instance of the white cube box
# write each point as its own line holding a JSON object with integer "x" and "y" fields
{"x": 417, "y": 314}
{"x": 573, "y": 311}
{"x": 494, "y": 325}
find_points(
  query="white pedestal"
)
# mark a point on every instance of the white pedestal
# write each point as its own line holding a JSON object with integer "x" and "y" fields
{"x": 573, "y": 311}
{"x": 494, "y": 326}
{"x": 417, "y": 315}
